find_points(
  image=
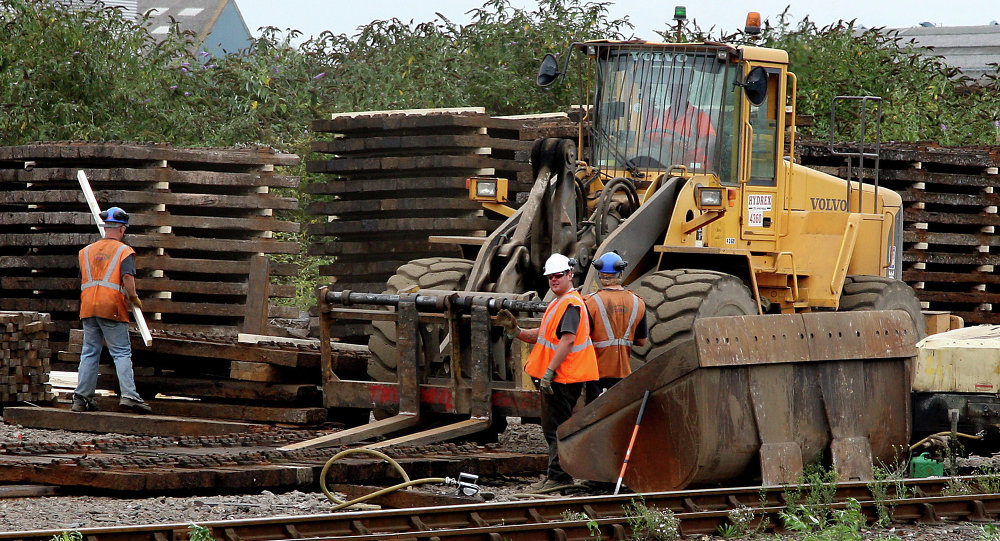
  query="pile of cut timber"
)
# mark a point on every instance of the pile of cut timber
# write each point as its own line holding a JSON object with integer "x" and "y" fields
{"x": 24, "y": 357}
{"x": 201, "y": 222}
{"x": 399, "y": 177}
{"x": 249, "y": 370}
{"x": 950, "y": 248}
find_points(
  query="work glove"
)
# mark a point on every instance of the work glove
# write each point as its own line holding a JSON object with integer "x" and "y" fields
{"x": 507, "y": 320}
{"x": 136, "y": 301}
{"x": 545, "y": 385}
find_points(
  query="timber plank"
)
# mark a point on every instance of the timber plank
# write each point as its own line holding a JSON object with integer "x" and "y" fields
{"x": 146, "y": 152}
{"x": 374, "y": 267}
{"x": 410, "y": 226}
{"x": 96, "y": 176}
{"x": 214, "y": 223}
{"x": 437, "y": 144}
{"x": 305, "y": 394}
{"x": 237, "y": 412}
{"x": 402, "y": 163}
{"x": 399, "y": 206}
{"x": 208, "y": 266}
{"x": 156, "y": 240}
{"x": 919, "y": 256}
{"x": 386, "y": 122}
{"x": 951, "y": 277}
{"x": 120, "y": 422}
{"x": 955, "y": 199}
{"x": 912, "y": 216}
{"x": 943, "y": 180}
{"x": 250, "y": 371}
{"x": 206, "y": 288}
{"x": 418, "y": 186}
{"x": 400, "y": 248}
{"x": 128, "y": 197}
{"x": 954, "y": 239}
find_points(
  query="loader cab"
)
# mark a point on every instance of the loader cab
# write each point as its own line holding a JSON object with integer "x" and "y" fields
{"x": 660, "y": 105}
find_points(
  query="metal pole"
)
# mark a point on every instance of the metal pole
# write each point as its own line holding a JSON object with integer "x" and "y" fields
{"x": 635, "y": 432}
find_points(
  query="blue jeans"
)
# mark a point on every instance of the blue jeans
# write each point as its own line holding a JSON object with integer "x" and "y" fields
{"x": 97, "y": 331}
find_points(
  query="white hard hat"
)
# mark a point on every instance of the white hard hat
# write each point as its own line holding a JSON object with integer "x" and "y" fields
{"x": 557, "y": 263}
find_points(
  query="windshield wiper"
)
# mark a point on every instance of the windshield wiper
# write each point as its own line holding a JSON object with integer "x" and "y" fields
{"x": 629, "y": 166}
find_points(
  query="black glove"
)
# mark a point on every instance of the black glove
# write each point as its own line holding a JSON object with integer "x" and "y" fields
{"x": 507, "y": 320}
{"x": 545, "y": 385}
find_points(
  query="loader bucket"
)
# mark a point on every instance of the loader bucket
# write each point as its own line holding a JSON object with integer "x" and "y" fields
{"x": 754, "y": 395}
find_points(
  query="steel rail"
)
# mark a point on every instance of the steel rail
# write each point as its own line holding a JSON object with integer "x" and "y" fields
{"x": 699, "y": 512}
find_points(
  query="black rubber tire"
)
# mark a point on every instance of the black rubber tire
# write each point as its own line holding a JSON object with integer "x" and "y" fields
{"x": 676, "y": 298}
{"x": 879, "y": 293}
{"x": 447, "y": 273}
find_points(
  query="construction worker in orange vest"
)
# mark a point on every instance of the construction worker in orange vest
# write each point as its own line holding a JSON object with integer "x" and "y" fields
{"x": 618, "y": 321}
{"x": 107, "y": 287}
{"x": 562, "y": 360}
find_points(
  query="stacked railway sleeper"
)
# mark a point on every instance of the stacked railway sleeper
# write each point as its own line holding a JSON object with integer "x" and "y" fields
{"x": 245, "y": 377}
{"x": 249, "y": 461}
{"x": 396, "y": 178}
{"x": 950, "y": 216}
{"x": 202, "y": 222}
{"x": 24, "y": 357}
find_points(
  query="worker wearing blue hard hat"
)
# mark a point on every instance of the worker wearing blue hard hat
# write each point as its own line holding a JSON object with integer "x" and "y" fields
{"x": 107, "y": 288}
{"x": 618, "y": 321}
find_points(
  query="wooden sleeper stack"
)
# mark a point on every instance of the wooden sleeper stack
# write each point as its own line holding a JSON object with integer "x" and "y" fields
{"x": 24, "y": 357}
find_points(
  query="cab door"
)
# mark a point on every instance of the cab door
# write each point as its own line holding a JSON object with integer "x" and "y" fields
{"x": 762, "y": 175}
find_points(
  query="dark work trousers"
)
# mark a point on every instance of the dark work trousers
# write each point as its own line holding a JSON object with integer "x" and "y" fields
{"x": 556, "y": 408}
{"x": 593, "y": 389}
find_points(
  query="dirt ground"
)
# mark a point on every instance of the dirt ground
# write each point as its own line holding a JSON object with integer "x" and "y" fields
{"x": 78, "y": 512}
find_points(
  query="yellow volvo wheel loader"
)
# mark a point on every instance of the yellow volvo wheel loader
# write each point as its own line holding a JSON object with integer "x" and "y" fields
{"x": 688, "y": 179}
{"x": 779, "y": 328}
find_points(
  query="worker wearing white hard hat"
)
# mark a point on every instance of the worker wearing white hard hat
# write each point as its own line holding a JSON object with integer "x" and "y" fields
{"x": 562, "y": 360}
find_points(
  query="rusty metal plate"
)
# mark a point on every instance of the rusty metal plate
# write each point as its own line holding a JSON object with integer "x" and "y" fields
{"x": 751, "y": 340}
{"x": 860, "y": 335}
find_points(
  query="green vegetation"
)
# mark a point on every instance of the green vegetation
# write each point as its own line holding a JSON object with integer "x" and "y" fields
{"x": 888, "y": 484}
{"x": 199, "y": 533}
{"x": 68, "y": 536}
{"x": 651, "y": 524}
{"x": 91, "y": 74}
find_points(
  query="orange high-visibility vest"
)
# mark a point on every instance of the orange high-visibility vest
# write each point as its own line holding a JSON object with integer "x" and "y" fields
{"x": 614, "y": 309}
{"x": 581, "y": 363}
{"x": 101, "y": 291}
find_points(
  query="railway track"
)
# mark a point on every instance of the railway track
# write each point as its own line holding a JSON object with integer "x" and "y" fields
{"x": 698, "y": 511}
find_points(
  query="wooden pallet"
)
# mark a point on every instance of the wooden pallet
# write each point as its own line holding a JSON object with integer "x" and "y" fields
{"x": 950, "y": 250}
{"x": 199, "y": 221}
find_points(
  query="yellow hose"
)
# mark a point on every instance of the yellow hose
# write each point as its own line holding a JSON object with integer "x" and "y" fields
{"x": 948, "y": 433}
{"x": 406, "y": 478}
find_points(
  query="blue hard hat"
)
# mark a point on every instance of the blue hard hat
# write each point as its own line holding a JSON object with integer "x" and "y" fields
{"x": 115, "y": 215}
{"x": 610, "y": 263}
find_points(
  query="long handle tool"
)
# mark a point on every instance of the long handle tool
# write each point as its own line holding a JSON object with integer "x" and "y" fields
{"x": 631, "y": 442}
{"x": 88, "y": 193}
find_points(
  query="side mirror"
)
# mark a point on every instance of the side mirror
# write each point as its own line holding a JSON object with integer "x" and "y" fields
{"x": 548, "y": 71}
{"x": 755, "y": 85}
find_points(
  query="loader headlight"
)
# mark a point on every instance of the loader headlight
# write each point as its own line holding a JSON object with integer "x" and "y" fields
{"x": 486, "y": 188}
{"x": 709, "y": 198}
{"x": 490, "y": 189}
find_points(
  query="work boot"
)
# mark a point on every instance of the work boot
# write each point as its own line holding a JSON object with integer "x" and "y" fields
{"x": 546, "y": 486}
{"x": 138, "y": 406}
{"x": 82, "y": 404}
